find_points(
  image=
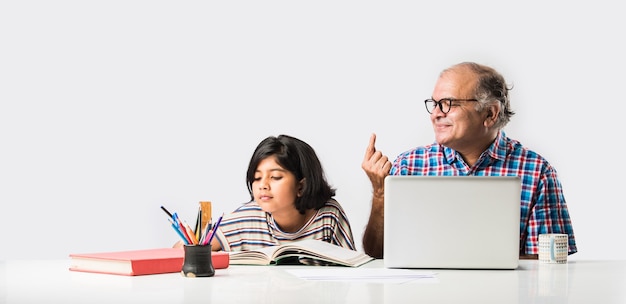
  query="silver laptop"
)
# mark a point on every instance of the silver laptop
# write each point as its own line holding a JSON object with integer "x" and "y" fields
{"x": 457, "y": 222}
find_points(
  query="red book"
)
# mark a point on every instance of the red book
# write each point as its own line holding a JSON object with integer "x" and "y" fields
{"x": 139, "y": 262}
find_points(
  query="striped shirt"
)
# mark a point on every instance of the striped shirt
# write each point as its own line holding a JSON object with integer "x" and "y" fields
{"x": 543, "y": 207}
{"x": 249, "y": 227}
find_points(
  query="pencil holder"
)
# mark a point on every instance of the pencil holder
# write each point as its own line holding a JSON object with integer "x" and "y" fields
{"x": 197, "y": 262}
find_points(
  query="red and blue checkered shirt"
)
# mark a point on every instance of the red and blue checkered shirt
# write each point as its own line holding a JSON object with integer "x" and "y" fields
{"x": 543, "y": 207}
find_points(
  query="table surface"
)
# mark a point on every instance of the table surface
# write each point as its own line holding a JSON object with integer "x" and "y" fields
{"x": 50, "y": 281}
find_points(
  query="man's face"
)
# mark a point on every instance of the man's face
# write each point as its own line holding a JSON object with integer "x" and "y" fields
{"x": 463, "y": 127}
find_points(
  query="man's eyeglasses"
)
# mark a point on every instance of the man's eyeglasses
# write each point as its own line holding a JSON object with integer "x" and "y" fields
{"x": 444, "y": 104}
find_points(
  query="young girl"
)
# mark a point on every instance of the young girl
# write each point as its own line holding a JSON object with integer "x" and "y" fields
{"x": 290, "y": 200}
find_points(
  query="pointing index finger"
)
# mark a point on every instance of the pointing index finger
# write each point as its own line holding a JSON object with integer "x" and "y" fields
{"x": 371, "y": 147}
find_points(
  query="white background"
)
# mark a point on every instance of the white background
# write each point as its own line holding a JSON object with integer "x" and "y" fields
{"x": 110, "y": 109}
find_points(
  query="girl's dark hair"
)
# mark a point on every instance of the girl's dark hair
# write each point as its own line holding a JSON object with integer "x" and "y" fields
{"x": 299, "y": 158}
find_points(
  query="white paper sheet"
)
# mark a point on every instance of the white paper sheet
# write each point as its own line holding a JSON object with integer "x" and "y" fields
{"x": 366, "y": 275}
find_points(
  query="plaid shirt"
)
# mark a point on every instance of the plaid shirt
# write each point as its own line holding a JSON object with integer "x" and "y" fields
{"x": 543, "y": 207}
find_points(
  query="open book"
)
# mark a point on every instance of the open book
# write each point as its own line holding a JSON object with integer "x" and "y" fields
{"x": 308, "y": 252}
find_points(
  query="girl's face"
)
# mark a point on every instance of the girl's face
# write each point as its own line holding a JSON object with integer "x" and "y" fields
{"x": 274, "y": 188}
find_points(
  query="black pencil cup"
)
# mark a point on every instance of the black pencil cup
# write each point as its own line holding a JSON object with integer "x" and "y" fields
{"x": 197, "y": 262}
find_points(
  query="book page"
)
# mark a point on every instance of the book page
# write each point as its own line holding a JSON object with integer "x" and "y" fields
{"x": 317, "y": 249}
{"x": 101, "y": 265}
{"x": 260, "y": 256}
{"x": 304, "y": 250}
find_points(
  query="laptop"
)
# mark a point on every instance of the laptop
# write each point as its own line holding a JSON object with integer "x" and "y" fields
{"x": 452, "y": 222}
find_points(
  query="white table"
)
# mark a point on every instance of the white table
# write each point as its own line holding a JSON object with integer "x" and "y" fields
{"x": 50, "y": 281}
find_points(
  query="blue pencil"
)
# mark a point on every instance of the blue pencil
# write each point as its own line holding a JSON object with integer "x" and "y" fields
{"x": 178, "y": 232}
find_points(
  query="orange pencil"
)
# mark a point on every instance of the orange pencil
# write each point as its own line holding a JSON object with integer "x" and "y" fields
{"x": 191, "y": 234}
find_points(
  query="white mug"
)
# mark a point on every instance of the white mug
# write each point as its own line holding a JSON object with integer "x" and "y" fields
{"x": 553, "y": 248}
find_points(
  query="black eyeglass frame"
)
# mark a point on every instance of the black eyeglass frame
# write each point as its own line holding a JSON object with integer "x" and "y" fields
{"x": 439, "y": 103}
